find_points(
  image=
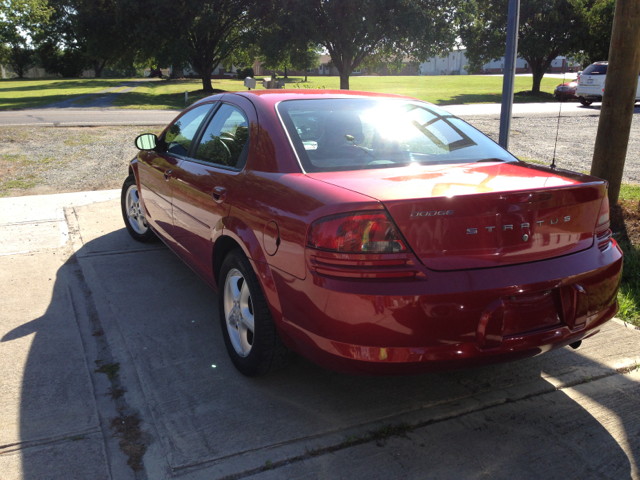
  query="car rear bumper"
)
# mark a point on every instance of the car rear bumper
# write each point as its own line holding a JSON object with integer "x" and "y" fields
{"x": 448, "y": 320}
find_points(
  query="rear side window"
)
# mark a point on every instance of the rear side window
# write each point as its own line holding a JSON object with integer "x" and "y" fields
{"x": 595, "y": 70}
{"x": 226, "y": 139}
{"x": 180, "y": 135}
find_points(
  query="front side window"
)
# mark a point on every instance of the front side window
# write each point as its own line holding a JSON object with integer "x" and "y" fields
{"x": 355, "y": 134}
{"x": 226, "y": 139}
{"x": 180, "y": 135}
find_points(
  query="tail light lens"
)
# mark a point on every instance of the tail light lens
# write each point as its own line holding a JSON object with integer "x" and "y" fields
{"x": 356, "y": 233}
{"x": 603, "y": 232}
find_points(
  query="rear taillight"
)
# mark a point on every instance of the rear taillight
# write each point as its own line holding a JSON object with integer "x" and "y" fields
{"x": 359, "y": 232}
{"x": 603, "y": 232}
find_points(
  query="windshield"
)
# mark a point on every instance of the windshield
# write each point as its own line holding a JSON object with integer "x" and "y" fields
{"x": 595, "y": 70}
{"x": 354, "y": 134}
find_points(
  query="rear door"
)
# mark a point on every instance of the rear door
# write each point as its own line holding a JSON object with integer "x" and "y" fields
{"x": 206, "y": 182}
{"x": 156, "y": 168}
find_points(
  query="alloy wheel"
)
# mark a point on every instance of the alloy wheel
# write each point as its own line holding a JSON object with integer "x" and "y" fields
{"x": 134, "y": 211}
{"x": 238, "y": 312}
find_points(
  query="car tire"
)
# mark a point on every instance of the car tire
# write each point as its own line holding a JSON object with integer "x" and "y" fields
{"x": 585, "y": 102}
{"x": 133, "y": 214}
{"x": 242, "y": 306}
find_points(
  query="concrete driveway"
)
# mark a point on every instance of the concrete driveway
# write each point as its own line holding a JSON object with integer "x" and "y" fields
{"x": 114, "y": 367}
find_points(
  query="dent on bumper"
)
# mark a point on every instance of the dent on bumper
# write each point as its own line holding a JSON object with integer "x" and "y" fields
{"x": 435, "y": 323}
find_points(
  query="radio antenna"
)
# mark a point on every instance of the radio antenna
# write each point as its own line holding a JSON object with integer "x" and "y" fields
{"x": 555, "y": 146}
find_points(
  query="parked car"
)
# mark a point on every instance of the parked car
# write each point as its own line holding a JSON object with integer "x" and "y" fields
{"x": 591, "y": 84}
{"x": 566, "y": 91}
{"x": 373, "y": 233}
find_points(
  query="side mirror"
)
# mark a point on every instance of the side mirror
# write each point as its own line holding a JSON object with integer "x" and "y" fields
{"x": 146, "y": 141}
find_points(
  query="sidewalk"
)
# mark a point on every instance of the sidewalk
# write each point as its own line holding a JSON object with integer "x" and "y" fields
{"x": 113, "y": 360}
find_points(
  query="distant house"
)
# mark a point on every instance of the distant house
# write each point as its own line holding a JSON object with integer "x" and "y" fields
{"x": 454, "y": 64}
{"x": 326, "y": 68}
{"x": 218, "y": 72}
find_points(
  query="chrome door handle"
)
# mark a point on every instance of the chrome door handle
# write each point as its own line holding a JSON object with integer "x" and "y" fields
{"x": 167, "y": 175}
{"x": 219, "y": 193}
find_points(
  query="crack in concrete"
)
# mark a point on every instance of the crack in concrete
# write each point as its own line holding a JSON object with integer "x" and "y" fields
{"x": 85, "y": 310}
{"x": 400, "y": 429}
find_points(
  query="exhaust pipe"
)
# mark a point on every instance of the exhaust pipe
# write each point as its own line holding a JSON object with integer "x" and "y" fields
{"x": 575, "y": 345}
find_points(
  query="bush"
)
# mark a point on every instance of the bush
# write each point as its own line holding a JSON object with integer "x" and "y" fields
{"x": 245, "y": 72}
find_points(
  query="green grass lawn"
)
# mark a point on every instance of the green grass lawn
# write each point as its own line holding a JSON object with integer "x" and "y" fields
{"x": 31, "y": 93}
{"x": 441, "y": 90}
{"x": 169, "y": 94}
{"x": 629, "y": 293}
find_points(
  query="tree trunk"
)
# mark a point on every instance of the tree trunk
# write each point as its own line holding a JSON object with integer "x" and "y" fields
{"x": 344, "y": 80}
{"x": 285, "y": 72}
{"x": 616, "y": 114}
{"x": 98, "y": 66}
{"x": 305, "y": 75}
{"x": 4, "y": 72}
{"x": 538, "y": 73}
{"x": 206, "y": 80}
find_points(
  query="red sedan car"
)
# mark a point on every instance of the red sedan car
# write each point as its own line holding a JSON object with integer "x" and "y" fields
{"x": 566, "y": 91}
{"x": 373, "y": 233}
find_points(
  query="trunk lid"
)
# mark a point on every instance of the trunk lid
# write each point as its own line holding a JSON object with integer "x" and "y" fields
{"x": 485, "y": 214}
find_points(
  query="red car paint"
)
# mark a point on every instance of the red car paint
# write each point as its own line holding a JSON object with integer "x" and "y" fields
{"x": 567, "y": 91}
{"x": 452, "y": 299}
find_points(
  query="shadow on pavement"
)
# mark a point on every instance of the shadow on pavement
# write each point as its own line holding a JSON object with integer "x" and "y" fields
{"x": 203, "y": 412}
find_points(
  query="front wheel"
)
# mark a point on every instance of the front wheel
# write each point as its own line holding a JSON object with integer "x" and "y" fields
{"x": 585, "y": 102}
{"x": 132, "y": 213}
{"x": 250, "y": 336}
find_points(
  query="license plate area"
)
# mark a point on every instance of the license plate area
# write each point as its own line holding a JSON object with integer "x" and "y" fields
{"x": 528, "y": 312}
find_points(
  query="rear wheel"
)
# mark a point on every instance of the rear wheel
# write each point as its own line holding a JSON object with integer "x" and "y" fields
{"x": 132, "y": 212}
{"x": 585, "y": 102}
{"x": 250, "y": 336}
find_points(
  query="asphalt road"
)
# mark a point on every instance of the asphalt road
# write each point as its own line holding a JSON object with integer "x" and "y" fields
{"x": 70, "y": 117}
{"x": 78, "y": 117}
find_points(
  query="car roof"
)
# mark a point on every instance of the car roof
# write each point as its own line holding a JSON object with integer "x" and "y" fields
{"x": 272, "y": 97}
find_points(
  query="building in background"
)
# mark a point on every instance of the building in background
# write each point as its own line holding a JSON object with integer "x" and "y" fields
{"x": 455, "y": 62}
{"x": 326, "y": 68}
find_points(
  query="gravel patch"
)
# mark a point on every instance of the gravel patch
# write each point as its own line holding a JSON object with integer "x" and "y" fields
{"x": 534, "y": 137}
{"x": 40, "y": 160}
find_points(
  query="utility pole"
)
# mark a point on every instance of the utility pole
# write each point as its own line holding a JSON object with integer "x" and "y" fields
{"x": 511, "y": 54}
{"x": 619, "y": 95}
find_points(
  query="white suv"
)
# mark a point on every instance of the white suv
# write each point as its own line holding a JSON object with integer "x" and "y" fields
{"x": 591, "y": 84}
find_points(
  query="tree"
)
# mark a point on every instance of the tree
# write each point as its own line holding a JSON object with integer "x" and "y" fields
{"x": 202, "y": 33}
{"x": 19, "y": 20}
{"x": 597, "y": 16}
{"x": 60, "y": 49}
{"x": 101, "y": 26}
{"x": 20, "y": 57}
{"x": 84, "y": 34}
{"x": 616, "y": 116}
{"x": 352, "y": 30}
{"x": 548, "y": 28}
{"x": 305, "y": 59}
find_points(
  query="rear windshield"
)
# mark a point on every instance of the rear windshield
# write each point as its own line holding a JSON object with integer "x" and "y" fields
{"x": 595, "y": 70}
{"x": 356, "y": 134}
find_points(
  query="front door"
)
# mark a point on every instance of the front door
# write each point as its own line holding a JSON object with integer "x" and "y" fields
{"x": 206, "y": 183}
{"x": 156, "y": 169}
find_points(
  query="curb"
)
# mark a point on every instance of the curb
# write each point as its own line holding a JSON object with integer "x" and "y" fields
{"x": 626, "y": 325}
